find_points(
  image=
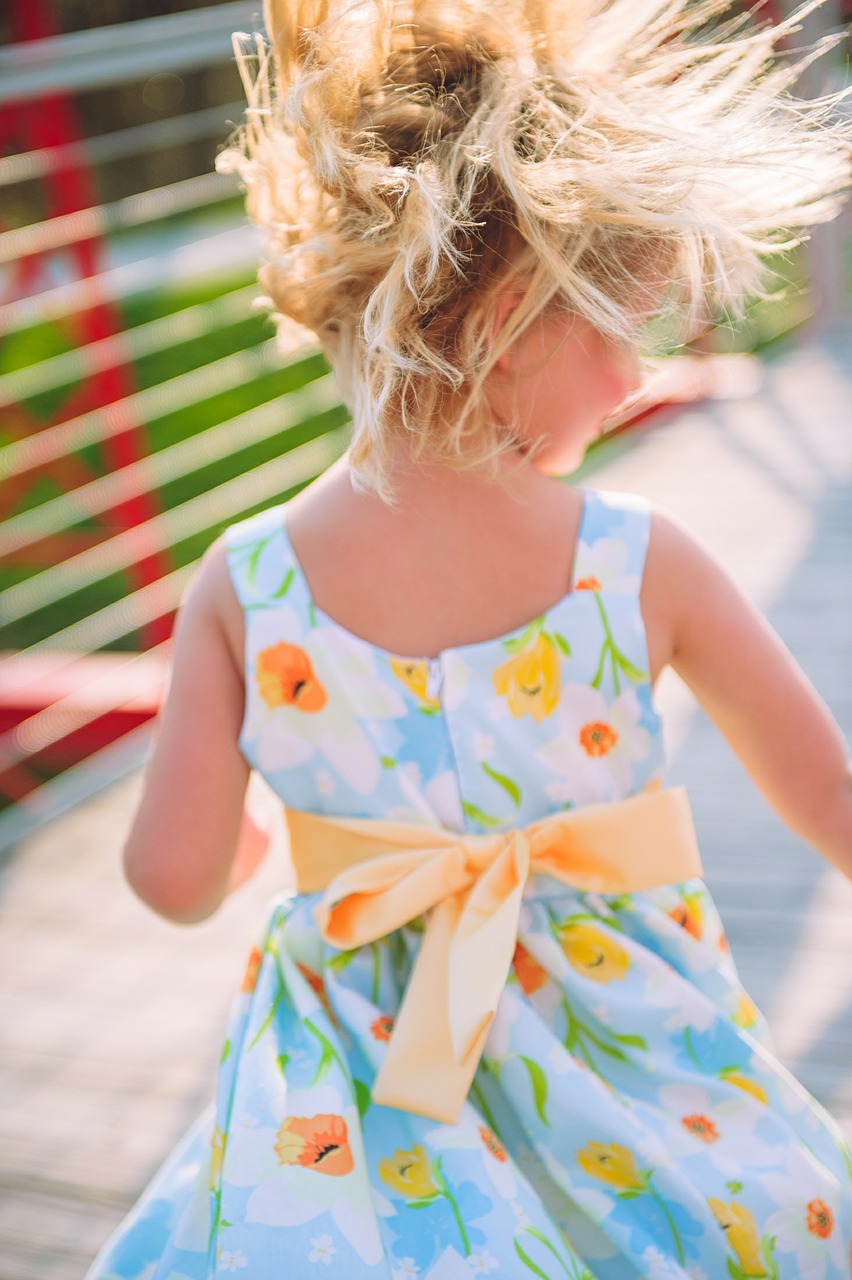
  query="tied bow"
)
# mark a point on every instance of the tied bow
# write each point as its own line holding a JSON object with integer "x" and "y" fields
{"x": 379, "y": 875}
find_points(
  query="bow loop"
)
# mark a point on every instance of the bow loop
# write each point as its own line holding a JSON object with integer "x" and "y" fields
{"x": 378, "y": 876}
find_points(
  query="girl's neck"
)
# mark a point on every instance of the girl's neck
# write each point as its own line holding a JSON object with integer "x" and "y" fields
{"x": 426, "y": 490}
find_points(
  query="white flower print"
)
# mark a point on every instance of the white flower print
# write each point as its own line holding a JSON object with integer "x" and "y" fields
{"x": 482, "y": 1263}
{"x": 454, "y": 687}
{"x": 597, "y": 744}
{"x": 346, "y": 673}
{"x": 659, "y": 1267}
{"x": 601, "y": 566}
{"x": 323, "y": 1250}
{"x": 560, "y": 791}
{"x": 406, "y": 1270}
{"x": 806, "y": 1224}
{"x": 229, "y": 1261}
{"x": 483, "y": 746}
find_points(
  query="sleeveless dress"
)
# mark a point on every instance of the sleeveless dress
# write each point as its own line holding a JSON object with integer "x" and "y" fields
{"x": 628, "y": 1117}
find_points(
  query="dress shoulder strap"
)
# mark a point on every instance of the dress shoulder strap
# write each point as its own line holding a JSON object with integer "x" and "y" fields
{"x": 258, "y": 557}
{"x": 612, "y": 542}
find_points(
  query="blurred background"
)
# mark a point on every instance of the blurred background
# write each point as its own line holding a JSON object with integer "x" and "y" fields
{"x": 143, "y": 408}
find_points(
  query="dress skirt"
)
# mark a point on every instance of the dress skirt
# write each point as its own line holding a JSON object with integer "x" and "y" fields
{"x": 628, "y": 1119}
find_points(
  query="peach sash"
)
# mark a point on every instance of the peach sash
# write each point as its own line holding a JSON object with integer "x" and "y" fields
{"x": 380, "y": 875}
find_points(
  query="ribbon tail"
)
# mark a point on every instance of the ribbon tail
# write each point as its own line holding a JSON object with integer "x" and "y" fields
{"x": 419, "y": 1072}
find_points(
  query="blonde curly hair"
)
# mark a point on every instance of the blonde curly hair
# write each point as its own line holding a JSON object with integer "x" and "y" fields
{"x": 408, "y": 161}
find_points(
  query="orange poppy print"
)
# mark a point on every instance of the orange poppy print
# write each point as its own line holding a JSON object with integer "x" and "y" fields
{"x": 382, "y": 1027}
{"x": 315, "y": 1142}
{"x": 496, "y": 1148}
{"x": 820, "y": 1219}
{"x": 701, "y": 1128}
{"x": 317, "y": 985}
{"x": 286, "y": 678}
{"x": 689, "y": 915}
{"x": 252, "y": 970}
{"x": 531, "y": 976}
{"x": 590, "y": 583}
{"x": 598, "y": 738}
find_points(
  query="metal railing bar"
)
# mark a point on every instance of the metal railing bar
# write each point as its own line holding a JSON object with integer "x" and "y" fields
{"x": 139, "y": 138}
{"x": 118, "y": 349}
{"x": 72, "y": 787}
{"x": 171, "y": 527}
{"x": 132, "y": 211}
{"x": 123, "y": 51}
{"x": 200, "y": 257}
{"x": 176, "y": 393}
{"x": 174, "y": 462}
{"x": 65, "y": 716}
{"x": 97, "y": 630}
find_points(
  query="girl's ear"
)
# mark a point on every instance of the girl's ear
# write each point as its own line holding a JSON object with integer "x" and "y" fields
{"x": 507, "y": 299}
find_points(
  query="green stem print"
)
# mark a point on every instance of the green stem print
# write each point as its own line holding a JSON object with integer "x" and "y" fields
{"x": 573, "y": 1267}
{"x": 610, "y": 650}
{"x": 328, "y": 1054}
{"x": 660, "y": 1202}
{"x": 444, "y": 1190}
{"x": 377, "y": 972}
{"x": 411, "y": 1174}
{"x": 579, "y": 1036}
{"x": 485, "y": 1110}
{"x": 615, "y": 1166}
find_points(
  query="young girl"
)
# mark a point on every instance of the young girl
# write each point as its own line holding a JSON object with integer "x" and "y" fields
{"x": 497, "y": 1028}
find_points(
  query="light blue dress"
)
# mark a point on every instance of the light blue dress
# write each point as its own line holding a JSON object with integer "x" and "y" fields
{"x": 628, "y": 1118}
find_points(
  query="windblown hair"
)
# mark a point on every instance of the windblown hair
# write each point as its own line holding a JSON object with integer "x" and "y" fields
{"x": 408, "y": 161}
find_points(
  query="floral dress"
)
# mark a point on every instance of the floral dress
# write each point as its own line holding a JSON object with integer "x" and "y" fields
{"x": 628, "y": 1117}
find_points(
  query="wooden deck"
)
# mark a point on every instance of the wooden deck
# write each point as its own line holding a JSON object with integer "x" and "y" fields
{"x": 111, "y": 1018}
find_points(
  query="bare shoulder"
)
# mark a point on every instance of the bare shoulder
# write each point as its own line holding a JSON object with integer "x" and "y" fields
{"x": 211, "y": 592}
{"x": 681, "y": 583}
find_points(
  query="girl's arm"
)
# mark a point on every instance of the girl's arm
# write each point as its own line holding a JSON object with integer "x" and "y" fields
{"x": 751, "y": 686}
{"x": 179, "y": 854}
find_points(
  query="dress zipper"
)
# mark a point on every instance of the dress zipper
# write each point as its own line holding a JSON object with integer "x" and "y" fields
{"x": 434, "y": 677}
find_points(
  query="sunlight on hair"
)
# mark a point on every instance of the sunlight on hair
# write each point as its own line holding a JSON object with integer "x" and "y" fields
{"x": 624, "y": 159}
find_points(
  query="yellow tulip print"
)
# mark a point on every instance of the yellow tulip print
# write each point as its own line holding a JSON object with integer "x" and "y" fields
{"x": 593, "y": 953}
{"x": 612, "y": 1164}
{"x": 743, "y": 1238}
{"x": 408, "y": 1174}
{"x": 530, "y": 680}
{"x": 740, "y": 1081}
{"x": 745, "y": 1014}
{"x": 415, "y": 677}
{"x": 217, "y": 1143}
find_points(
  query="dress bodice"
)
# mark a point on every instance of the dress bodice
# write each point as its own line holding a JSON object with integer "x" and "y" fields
{"x": 497, "y": 733}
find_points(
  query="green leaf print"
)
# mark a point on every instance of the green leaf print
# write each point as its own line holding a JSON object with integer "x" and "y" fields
{"x": 561, "y": 643}
{"x": 282, "y": 1062}
{"x": 328, "y": 1054}
{"x": 518, "y": 643}
{"x": 362, "y": 1097}
{"x": 341, "y": 961}
{"x": 388, "y": 762}
{"x": 632, "y": 672}
{"x": 479, "y": 815}
{"x": 571, "y": 1271}
{"x": 538, "y": 1080}
{"x": 285, "y": 586}
{"x": 254, "y": 555}
{"x": 226, "y": 1051}
{"x": 528, "y": 1262}
{"x": 734, "y": 1187}
{"x": 508, "y": 784}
